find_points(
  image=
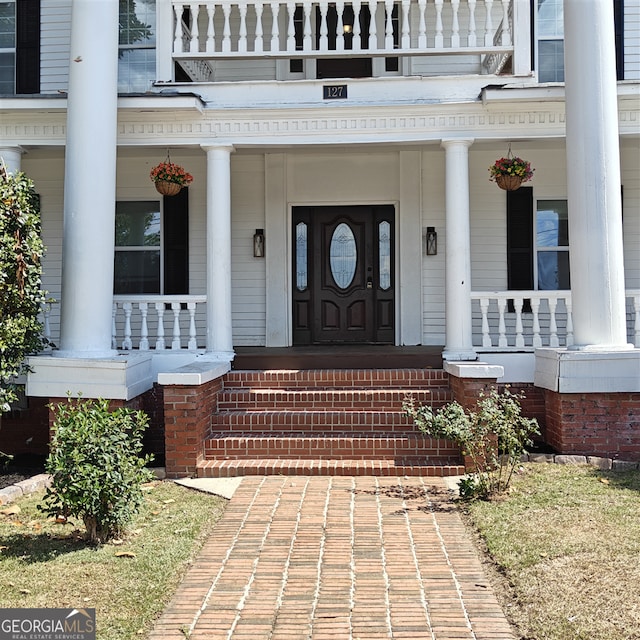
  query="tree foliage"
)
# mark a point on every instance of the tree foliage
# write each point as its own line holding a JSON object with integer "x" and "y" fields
{"x": 21, "y": 251}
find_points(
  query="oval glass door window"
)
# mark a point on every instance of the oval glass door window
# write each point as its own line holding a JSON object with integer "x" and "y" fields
{"x": 343, "y": 255}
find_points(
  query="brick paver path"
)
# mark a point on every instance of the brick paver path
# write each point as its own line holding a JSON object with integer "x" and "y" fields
{"x": 336, "y": 558}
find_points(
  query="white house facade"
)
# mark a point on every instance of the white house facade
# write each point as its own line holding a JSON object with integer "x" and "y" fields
{"x": 340, "y": 197}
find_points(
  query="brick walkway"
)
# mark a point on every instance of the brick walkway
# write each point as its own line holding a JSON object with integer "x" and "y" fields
{"x": 336, "y": 558}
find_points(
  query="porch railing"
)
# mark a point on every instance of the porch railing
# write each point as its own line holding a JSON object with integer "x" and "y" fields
{"x": 502, "y": 321}
{"x": 526, "y": 320}
{"x": 286, "y": 29}
{"x": 159, "y": 322}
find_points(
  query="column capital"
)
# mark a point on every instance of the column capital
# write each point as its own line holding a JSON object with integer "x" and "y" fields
{"x": 446, "y": 143}
{"x": 218, "y": 147}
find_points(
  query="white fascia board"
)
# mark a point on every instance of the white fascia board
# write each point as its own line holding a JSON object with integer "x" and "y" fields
{"x": 161, "y": 102}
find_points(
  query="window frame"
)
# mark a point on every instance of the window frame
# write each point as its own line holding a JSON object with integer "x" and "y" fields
{"x": 133, "y": 47}
{"x": 548, "y": 248}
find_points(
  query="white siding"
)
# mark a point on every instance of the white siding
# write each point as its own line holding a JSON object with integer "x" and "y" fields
{"x": 54, "y": 54}
{"x": 632, "y": 40}
{"x": 630, "y": 157}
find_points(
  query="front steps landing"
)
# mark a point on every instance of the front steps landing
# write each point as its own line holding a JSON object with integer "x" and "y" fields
{"x": 327, "y": 422}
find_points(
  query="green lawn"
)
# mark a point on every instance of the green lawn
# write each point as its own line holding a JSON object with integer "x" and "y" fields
{"x": 565, "y": 543}
{"x": 44, "y": 564}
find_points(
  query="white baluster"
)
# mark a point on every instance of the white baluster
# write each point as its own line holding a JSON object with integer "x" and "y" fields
{"x": 46, "y": 323}
{"x": 568, "y": 305}
{"x": 160, "y": 342}
{"x": 275, "y": 34}
{"x": 439, "y": 43}
{"x": 422, "y": 28}
{"x": 126, "y": 343}
{"x": 486, "y": 334}
{"x": 488, "y": 25}
{"x": 535, "y": 308}
{"x": 357, "y": 31}
{"x": 211, "y": 29}
{"x": 502, "y": 330}
{"x": 194, "y": 43}
{"x": 177, "y": 34}
{"x": 388, "y": 31}
{"x": 259, "y": 43}
{"x": 471, "y": 39}
{"x": 406, "y": 36}
{"x": 193, "y": 343}
{"x": 144, "y": 328}
{"x": 373, "y": 29}
{"x": 242, "y": 33}
{"x": 324, "y": 30}
{"x": 455, "y": 26}
{"x": 291, "y": 28}
{"x": 340, "y": 25}
{"x": 226, "y": 31}
{"x": 517, "y": 304}
{"x": 553, "y": 325}
{"x": 175, "y": 307}
{"x": 114, "y": 331}
{"x": 505, "y": 38}
{"x": 307, "y": 40}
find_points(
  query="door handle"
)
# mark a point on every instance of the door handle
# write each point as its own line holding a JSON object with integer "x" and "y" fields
{"x": 369, "y": 283}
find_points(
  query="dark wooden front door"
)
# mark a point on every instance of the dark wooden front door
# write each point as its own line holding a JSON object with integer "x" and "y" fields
{"x": 343, "y": 275}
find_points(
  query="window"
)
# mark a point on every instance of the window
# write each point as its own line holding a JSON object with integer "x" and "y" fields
{"x": 19, "y": 47}
{"x": 137, "y": 46}
{"x": 552, "y": 245}
{"x": 138, "y": 241}
{"x": 550, "y": 41}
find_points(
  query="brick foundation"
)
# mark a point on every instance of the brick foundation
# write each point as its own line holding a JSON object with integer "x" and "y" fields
{"x": 26, "y": 431}
{"x": 188, "y": 412}
{"x": 466, "y": 390}
{"x": 596, "y": 424}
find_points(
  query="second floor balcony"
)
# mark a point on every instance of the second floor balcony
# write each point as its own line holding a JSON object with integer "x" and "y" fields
{"x": 254, "y": 40}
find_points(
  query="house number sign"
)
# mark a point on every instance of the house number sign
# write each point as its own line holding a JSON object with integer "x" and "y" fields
{"x": 334, "y": 92}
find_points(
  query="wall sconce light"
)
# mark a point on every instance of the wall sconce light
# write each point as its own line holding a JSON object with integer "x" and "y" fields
{"x": 432, "y": 241}
{"x": 258, "y": 243}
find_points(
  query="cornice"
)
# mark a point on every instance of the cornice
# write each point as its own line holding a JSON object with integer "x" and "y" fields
{"x": 393, "y": 124}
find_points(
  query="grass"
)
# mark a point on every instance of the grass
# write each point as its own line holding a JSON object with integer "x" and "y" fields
{"x": 44, "y": 564}
{"x": 566, "y": 546}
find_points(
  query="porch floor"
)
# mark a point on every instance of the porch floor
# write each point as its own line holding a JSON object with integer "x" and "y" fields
{"x": 338, "y": 357}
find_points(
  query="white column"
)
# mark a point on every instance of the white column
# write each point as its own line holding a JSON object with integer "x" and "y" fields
{"x": 11, "y": 157}
{"x": 458, "y": 337}
{"x": 593, "y": 177}
{"x": 90, "y": 181}
{"x": 219, "y": 320}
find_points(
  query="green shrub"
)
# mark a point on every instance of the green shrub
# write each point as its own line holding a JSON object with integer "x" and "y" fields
{"x": 96, "y": 466}
{"x": 494, "y": 436}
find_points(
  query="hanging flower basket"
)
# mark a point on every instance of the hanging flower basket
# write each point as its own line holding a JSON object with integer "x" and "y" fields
{"x": 509, "y": 183}
{"x": 167, "y": 188}
{"x": 169, "y": 178}
{"x": 510, "y": 172}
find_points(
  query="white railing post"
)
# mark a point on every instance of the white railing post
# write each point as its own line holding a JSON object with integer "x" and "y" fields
{"x": 422, "y": 25}
{"x": 175, "y": 307}
{"x": 144, "y": 327}
{"x": 388, "y": 31}
{"x": 517, "y": 304}
{"x": 160, "y": 343}
{"x": 178, "y": 8}
{"x": 553, "y": 326}
{"x": 521, "y": 37}
{"x": 291, "y": 27}
{"x": 194, "y": 43}
{"x": 307, "y": 41}
{"x": 488, "y": 23}
{"x": 226, "y": 30}
{"x": 242, "y": 35}
{"x": 323, "y": 45}
{"x": 405, "y": 42}
{"x": 535, "y": 309}
{"x": 439, "y": 41}
{"x": 126, "y": 343}
{"x": 373, "y": 27}
{"x": 193, "y": 343}
{"x": 484, "y": 310}
{"x": 258, "y": 46}
{"x": 568, "y": 305}
{"x": 211, "y": 28}
{"x": 502, "y": 329}
{"x": 275, "y": 32}
{"x": 506, "y": 24}
{"x": 471, "y": 37}
{"x": 357, "y": 31}
{"x": 455, "y": 26}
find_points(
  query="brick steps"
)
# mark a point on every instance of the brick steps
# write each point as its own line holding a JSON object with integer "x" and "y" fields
{"x": 266, "y": 466}
{"x": 322, "y": 422}
{"x": 335, "y": 446}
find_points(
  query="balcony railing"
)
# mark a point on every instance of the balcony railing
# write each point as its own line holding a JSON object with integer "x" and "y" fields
{"x": 219, "y": 29}
{"x": 526, "y": 320}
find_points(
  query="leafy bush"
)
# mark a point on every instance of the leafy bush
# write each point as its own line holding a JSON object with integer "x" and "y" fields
{"x": 96, "y": 466}
{"x": 21, "y": 251}
{"x": 493, "y": 436}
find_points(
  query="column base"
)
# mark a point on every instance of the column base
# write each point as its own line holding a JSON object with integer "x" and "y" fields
{"x": 457, "y": 355}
